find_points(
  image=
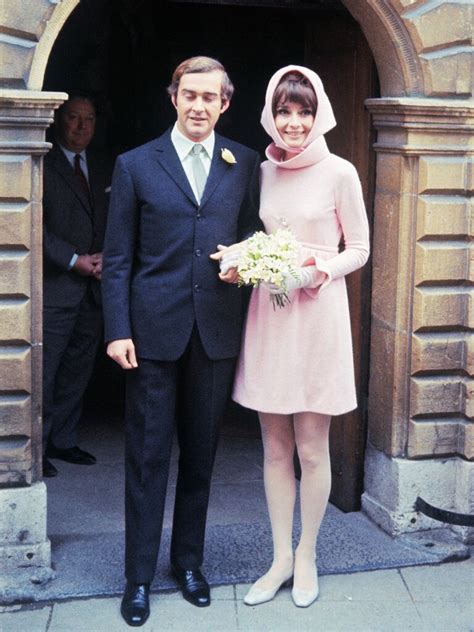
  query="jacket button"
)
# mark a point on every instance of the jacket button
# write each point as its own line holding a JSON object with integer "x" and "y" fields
{"x": 197, "y": 287}
{"x": 198, "y": 216}
{"x": 198, "y": 252}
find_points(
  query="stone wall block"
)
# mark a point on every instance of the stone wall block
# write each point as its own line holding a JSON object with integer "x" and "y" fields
{"x": 443, "y": 307}
{"x": 403, "y": 5}
{"x": 440, "y": 26}
{"x": 437, "y": 261}
{"x": 15, "y": 273}
{"x": 16, "y": 369}
{"x": 15, "y": 468}
{"x": 17, "y": 56}
{"x": 442, "y": 351}
{"x": 15, "y": 316}
{"x": 440, "y": 437}
{"x": 468, "y": 395}
{"x": 448, "y": 73}
{"x": 464, "y": 498}
{"x": 389, "y": 171}
{"x": 15, "y": 224}
{"x": 29, "y": 17}
{"x": 447, "y": 216}
{"x": 15, "y": 414}
{"x": 466, "y": 440}
{"x": 385, "y": 263}
{"x": 15, "y": 178}
{"x": 442, "y": 174}
{"x": 439, "y": 395}
{"x": 23, "y": 539}
{"x": 17, "y": 519}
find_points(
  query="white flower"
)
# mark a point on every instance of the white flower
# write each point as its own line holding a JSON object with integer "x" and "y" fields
{"x": 228, "y": 156}
{"x": 267, "y": 259}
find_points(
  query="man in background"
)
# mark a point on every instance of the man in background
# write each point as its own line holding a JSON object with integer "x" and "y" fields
{"x": 76, "y": 186}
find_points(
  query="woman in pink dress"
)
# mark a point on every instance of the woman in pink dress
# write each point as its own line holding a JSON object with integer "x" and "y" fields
{"x": 296, "y": 366}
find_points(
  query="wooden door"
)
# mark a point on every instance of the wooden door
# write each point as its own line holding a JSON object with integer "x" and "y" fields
{"x": 337, "y": 50}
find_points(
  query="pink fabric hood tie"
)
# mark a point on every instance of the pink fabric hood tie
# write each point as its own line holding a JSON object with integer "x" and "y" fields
{"x": 314, "y": 148}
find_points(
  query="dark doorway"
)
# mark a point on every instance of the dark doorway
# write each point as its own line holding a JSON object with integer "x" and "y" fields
{"x": 124, "y": 52}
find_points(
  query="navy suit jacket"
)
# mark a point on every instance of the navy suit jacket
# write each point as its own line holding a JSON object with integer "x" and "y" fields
{"x": 72, "y": 223}
{"x": 158, "y": 279}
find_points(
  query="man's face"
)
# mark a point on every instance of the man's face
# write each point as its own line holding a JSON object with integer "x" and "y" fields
{"x": 198, "y": 104}
{"x": 76, "y": 124}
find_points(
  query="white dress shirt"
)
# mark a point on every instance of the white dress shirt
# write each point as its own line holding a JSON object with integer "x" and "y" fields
{"x": 70, "y": 155}
{"x": 183, "y": 148}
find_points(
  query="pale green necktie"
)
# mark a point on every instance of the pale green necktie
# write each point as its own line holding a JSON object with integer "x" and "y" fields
{"x": 199, "y": 171}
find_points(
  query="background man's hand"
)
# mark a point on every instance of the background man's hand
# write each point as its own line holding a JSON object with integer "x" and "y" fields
{"x": 123, "y": 352}
{"x": 97, "y": 260}
{"x": 84, "y": 265}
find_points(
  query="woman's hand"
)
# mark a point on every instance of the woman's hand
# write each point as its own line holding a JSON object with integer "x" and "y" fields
{"x": 228, "y": 257}
{"x": 303, "y": 277}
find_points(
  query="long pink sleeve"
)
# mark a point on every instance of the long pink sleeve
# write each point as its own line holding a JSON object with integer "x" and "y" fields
{"x": 350, "y": 211}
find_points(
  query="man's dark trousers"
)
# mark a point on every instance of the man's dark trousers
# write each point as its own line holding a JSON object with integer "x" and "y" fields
{"x": 70, "y": 337}
{"x": 194, "y": 391}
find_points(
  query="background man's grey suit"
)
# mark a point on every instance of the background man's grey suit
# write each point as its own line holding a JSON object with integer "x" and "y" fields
{"x": 74, "y": 223}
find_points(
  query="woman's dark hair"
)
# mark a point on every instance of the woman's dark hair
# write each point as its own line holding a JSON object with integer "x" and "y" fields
{"x": 295, "y": 88}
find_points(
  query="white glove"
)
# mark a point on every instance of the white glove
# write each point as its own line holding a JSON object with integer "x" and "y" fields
{"x": 230, "y": 259}
{"x": 303, "y": 277}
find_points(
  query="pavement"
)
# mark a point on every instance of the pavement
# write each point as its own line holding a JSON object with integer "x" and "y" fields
{"x": 431, "y": 598}
{"x": 400, "y": 583}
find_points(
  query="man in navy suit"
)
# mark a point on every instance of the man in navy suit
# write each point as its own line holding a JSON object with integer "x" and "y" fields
{"x": 172, "y": 321}
{"x": 75, "y": 199}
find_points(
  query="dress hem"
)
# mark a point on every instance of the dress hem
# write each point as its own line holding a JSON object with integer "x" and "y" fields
{"x": 294, "y": 412}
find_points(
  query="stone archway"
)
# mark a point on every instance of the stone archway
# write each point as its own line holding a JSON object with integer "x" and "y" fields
{"x": 421, "y": 357}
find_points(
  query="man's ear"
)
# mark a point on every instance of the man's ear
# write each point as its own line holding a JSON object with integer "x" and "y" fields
{"x": 225, "y": 104}
{"x": 173, "y": 101}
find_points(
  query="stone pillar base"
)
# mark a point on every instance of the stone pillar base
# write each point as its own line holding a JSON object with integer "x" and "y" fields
{"x": 392, "y": 486}
{"x": 25, "y": 551}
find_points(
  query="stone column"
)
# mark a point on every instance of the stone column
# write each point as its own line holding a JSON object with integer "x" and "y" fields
{"x": 421, "y": 431}
{"x": 24, "y": 547}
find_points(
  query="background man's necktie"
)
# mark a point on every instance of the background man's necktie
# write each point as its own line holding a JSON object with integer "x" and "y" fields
{"x": 80, "y": 174}
{"x": 200, "y": 175}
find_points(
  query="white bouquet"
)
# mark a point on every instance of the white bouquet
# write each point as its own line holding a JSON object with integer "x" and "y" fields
{"x": 266, "y": 259}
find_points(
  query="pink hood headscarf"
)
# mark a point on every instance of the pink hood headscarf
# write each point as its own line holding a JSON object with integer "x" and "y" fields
{"x": 314, "y": 148}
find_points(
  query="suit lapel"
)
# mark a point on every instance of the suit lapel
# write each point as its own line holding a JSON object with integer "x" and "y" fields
{"x": 169, "y": 160}
{"x": 218, "y": 169}
{"x": 65, "y": 170}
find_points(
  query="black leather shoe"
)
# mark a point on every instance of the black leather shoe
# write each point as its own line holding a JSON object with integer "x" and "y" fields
{"x": 193, "y": 585}
{"x": 135, "y": 607}
{"x": 71, "y": 455}
{"x": 48, "y": 469}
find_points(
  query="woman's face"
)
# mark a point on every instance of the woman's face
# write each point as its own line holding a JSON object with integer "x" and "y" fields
{"x": 294, "y": 122}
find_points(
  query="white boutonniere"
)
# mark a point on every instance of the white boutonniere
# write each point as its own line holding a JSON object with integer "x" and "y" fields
{"x": 228, "y": 156}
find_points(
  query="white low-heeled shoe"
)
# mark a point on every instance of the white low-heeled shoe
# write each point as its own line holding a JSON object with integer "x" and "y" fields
{"x": 255, "y": 596}
{"x": 303, "y": 597}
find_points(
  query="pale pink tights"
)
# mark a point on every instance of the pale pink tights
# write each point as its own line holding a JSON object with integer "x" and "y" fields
{"x": 309, "y": 432}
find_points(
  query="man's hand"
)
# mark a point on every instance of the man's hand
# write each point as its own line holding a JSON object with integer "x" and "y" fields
{"x": 123, "y": 352}
{"x": 84, "y": 265}
{"x": 228, "y": 257}
{"x": 97, "y": 260}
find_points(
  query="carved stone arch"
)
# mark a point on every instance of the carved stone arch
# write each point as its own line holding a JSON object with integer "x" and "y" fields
{"x": 398, "y": 65}
{"x": 399, "y": 69}
{"x": 46, "y": 42}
